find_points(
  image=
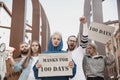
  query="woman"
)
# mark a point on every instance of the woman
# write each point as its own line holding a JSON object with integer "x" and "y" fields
{"x": 94, "y": 63}
{"x": 55, "y": 46}
{"x": 26, "y": 64}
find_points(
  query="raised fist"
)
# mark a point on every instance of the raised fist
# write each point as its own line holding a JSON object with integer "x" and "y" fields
{"x": 82, "y": 20}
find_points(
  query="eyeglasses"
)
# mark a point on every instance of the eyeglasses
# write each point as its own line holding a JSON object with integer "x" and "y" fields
{"x": 72, "y": 41}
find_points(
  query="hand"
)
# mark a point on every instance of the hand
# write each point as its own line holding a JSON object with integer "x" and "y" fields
{"x": 38, "y": 65}
{"x": 83, "y": 20}
{"x": 108, "y": 45}
{"x": 71, "y": 65}
{"x": 10, "y": 54}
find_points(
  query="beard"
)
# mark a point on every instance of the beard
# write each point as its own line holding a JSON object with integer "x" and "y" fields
{"x": 71, "y": 47}
{"x": 24, "y": 52}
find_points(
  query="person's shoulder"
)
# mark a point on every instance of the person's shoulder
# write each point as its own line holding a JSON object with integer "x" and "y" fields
{"x": 100, "y": 56}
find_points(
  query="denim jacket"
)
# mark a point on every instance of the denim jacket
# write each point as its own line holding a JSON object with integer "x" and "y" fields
{"x": 25, "y": 72}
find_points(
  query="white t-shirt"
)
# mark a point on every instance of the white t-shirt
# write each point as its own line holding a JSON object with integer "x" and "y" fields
{"x": 31, "y": 74}
{"x": 77, "y": 56}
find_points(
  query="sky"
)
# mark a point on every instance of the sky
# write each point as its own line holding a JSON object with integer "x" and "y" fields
{"x": 63, "y": 15}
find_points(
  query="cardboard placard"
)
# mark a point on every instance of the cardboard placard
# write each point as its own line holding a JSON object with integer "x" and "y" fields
{"x": 54, "y": 64}
{"x": 100, "y": 32}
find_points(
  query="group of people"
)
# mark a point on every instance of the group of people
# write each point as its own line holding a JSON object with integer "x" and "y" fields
{"x": 86, "y": 64}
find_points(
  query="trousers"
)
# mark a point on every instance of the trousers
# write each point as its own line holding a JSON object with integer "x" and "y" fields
{"x": 95, "y": 78}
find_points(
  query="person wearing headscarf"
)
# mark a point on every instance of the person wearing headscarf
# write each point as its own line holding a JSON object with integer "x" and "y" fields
{"x": 55, "y": 46}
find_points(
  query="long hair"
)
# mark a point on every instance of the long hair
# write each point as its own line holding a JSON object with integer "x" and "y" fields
{"x": 24, "y": 65}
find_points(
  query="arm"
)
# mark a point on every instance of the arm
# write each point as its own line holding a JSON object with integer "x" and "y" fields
{"x": 10, "y": 57}
{"x": 110, "y": 58}
{"x": 17, "y": 66}
{"x": 84, "y": 35}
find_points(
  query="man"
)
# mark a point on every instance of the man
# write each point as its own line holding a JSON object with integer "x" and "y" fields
{"x": 78, "y": 53}
{"x": 71, "y": 42}
{"x": 23, "y": 49}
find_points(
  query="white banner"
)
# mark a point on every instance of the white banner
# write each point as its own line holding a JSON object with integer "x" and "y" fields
{"x": 55, "y": 64}
{"x": 100, "y": 32}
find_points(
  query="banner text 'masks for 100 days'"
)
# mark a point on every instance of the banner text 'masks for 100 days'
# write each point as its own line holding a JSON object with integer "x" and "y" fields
{"x": 55, "y": 64}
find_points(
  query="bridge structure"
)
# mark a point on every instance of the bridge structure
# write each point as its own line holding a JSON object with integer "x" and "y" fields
{"x": 39, "y": 30}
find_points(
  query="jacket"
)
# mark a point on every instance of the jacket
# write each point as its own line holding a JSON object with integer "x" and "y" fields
{"x": 18, "y": 67}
